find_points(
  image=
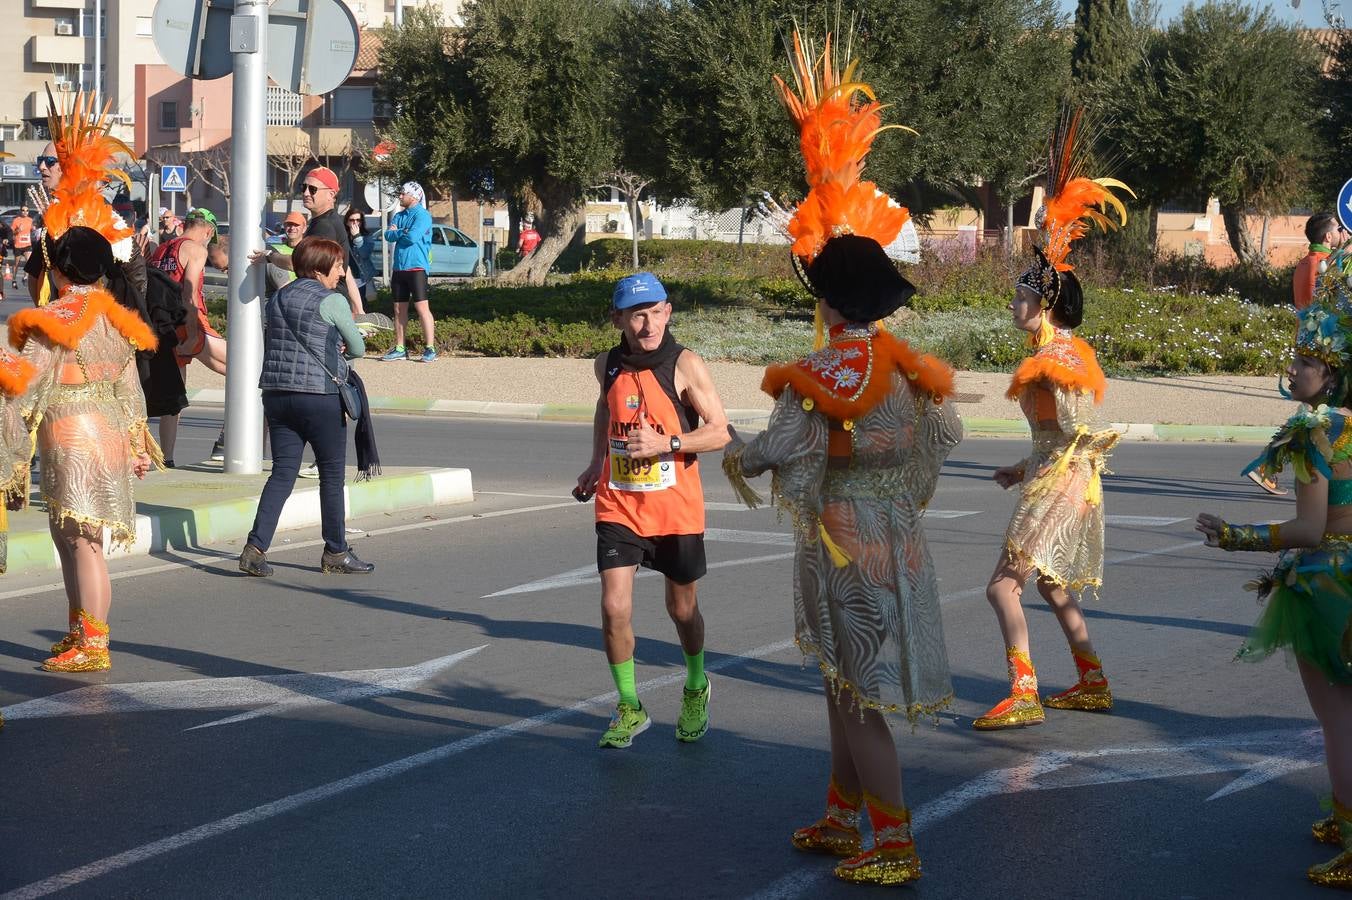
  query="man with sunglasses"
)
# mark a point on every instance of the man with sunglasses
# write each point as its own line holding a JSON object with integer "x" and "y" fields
{"x": 319, "y": 196}
{"x": 21, "y": 239}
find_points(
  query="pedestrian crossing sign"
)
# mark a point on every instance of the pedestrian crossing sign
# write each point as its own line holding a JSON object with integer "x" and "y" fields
{"x": 174, "y": 178}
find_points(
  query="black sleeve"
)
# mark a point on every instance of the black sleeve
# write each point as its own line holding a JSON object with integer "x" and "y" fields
{"x": 35, "y": 267}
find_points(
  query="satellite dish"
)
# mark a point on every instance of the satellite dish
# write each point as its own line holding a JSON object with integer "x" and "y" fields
{"x": 312, "y": 44}
{"x": 193, "y": 38}
{"x": 905, "y": 247}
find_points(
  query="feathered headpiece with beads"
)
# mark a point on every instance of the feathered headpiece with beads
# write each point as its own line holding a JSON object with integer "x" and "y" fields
{"x": 1073, "y": 203}
{"x": 87, "y": 153}
{"x": 837, "y": 119}
{"x": 1325, "y": 331}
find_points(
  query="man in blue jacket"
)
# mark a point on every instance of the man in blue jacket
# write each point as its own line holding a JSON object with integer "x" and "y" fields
{"x": 411, "y": 233}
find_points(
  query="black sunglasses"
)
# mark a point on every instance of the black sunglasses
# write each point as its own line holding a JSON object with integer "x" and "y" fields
{"x": 48, "y": 161}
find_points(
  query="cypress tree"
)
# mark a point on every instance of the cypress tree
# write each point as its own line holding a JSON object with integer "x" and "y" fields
{"x": 1103, "y": 43}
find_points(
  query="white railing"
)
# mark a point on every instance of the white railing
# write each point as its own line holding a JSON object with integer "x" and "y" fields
{"x": 284, "y": 107}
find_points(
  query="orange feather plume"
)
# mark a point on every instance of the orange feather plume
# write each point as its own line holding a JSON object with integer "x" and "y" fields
{"x": 838, "y": 119}
{"x": 1074, "y": 202}
{"x": 87, "y": 153}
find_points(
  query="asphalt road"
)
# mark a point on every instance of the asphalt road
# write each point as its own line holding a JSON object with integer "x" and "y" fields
{"x": 452, "y": 752}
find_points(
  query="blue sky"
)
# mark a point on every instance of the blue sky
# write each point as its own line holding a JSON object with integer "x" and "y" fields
{"x": 1309, "y": 14}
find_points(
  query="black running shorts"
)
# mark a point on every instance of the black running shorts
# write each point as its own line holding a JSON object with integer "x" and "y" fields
{"x": 680, "y": 557}
{"x": 409, "y": 285}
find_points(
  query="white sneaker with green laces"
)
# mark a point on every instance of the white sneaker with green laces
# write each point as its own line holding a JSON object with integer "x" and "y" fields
{"x": 626, "y": 723}
{"x": 693, "y": 721}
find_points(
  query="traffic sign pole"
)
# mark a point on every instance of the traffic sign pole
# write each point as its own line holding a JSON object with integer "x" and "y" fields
{"x": 244, "y": 359}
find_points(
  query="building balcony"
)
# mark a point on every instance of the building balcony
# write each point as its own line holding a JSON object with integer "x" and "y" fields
{"x": 58, "y": 50}
{"x": 58, "y": 4}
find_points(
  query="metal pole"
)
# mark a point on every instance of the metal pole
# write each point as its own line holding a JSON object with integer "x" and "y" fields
{"x": 384, "y": 224}
{"x": 248, "y": 195}
{"x": 98, "y": 55}
{"x": 398, "y": 13}
{"x": 482, "y": 270}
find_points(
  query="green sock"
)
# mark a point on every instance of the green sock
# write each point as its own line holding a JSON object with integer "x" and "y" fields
{"x": 695, "y": 679}
{"x": 623, "y": 673}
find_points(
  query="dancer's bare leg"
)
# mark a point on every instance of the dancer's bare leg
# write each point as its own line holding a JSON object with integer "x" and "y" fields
{"x": 1004, "y": 592}
{"x": 83, "y": 556}
{"x": 1332, "y": 705}
{"x": 872, "y": 749}
{"x": 1068, "y": 614}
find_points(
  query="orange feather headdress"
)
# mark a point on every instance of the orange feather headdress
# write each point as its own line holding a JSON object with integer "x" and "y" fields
{"x": 87, "y": 153}
{"x": 1074, "y": 202}
{"x": 838, "y": 118}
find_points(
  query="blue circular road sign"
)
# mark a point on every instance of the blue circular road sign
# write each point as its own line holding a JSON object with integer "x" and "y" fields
{"x": 1345, "y": 205}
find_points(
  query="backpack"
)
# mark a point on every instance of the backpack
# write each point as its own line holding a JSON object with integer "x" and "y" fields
{"x": 165, "y": 310}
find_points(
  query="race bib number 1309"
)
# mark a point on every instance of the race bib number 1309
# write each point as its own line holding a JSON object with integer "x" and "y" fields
{"x": 651, "y": 474}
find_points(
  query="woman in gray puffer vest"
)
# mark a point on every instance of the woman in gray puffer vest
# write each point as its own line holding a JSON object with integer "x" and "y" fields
{"x": 309, "y": 337}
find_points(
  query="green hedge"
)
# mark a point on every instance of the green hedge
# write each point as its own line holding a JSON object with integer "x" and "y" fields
{"x": 745, "y": 304}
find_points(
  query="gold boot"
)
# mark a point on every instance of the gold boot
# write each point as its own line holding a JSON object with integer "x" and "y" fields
{"x": 90, "y": 652}
{"x": 1337, "y": 872}
{"x": 837, "y": 832}
{"x": 893, "y": 859}
{"x": 72, "y": 636}
{"x": 1021, "y": 707}
{"x": 1325, "y": 831}
{"x": 1091, "y": 692}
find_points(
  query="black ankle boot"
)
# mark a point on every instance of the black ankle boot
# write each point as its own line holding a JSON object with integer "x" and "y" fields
{"x": 253, "y": 562}
{"x": 344, "y": 563}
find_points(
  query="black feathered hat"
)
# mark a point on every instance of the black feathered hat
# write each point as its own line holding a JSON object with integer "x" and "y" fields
{"x": 856, "y": 278}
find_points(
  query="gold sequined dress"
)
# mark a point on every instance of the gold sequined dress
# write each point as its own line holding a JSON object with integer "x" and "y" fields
{"x": 1057, "y": 527}
{"x": 85, "y": 405}
{"x": 16, "y": 449}
{"x": 858, "y": 434}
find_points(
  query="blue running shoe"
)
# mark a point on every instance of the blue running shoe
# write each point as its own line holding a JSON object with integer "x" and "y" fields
{"x": 396, "y": 353}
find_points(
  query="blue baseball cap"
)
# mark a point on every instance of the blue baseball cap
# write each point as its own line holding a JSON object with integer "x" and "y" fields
{"x": 642, "y": 289}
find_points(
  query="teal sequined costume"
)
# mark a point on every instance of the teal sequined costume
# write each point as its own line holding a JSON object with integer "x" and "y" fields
{"x": 1309, "y": 593}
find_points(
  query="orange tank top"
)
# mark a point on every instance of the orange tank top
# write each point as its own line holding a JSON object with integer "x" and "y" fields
{"x": 651, "y": 497}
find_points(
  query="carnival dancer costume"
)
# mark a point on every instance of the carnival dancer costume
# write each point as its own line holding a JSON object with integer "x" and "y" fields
{"x": 1057, "y": 528}
{"x": 84, "y": 404}
{"x": 859, "y": 431}
{"x": 1308, "y": 595}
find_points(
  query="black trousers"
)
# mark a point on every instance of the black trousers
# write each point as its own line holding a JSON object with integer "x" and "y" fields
{"x": 295, "y": 420}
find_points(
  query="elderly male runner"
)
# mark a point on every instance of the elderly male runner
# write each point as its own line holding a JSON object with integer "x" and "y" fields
{"x": 649, "y": 503}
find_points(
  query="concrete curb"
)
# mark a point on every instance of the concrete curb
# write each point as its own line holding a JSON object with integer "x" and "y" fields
{"x": 160, "y": 528}
{"x": 752, "y": 418}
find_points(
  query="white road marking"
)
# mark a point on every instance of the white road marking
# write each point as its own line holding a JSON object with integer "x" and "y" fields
{"x": 588, "y": 574}
{"x": 78, "y": 876}
{"x": 214, "y": 561}
{"x": 272, "y": 693}
{"x": 950, "y": 513}
{"x": 1147, "y": 521}
{"x": 1276, "y": 752}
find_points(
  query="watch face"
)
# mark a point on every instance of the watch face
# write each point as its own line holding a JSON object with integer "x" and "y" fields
{"x": 675, "y": 444}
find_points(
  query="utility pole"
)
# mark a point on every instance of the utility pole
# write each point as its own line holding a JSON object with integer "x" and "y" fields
{"x": 398, "y": 13}
{"x": 248, "y": 158}
{"x": 98, "y": 55}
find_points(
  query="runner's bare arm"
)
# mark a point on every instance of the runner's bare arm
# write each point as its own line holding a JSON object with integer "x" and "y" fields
{"x": 587, "y": 481}
{"x": 696, "y": 385}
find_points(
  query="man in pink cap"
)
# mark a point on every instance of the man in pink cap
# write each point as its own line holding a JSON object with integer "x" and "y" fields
{"x": 319, "y": 195}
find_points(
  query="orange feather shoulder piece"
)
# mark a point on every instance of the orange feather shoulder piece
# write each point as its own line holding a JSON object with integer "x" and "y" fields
{"x": 847, "y": 378}
{"x": 1066, "y": 361}
{"x": 70, "y": 318}
{"x": 15, "y": 373}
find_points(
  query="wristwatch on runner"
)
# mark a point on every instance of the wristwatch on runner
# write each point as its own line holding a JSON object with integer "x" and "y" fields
{"x": 675, "y": 443}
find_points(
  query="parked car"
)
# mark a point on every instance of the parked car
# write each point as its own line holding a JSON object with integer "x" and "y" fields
{"x": 453, "y": 252}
